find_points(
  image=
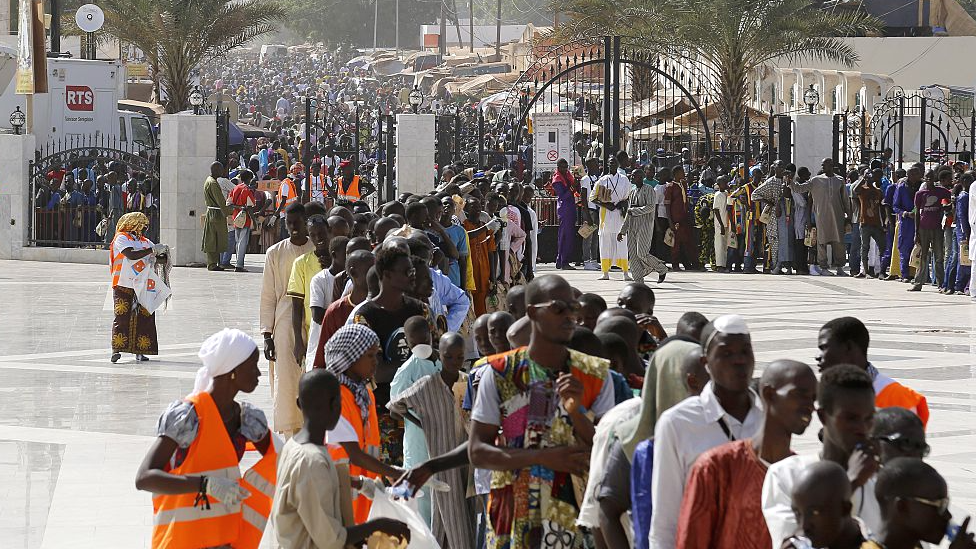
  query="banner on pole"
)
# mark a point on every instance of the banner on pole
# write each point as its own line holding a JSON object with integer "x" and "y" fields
{"x": 25, "y": 48}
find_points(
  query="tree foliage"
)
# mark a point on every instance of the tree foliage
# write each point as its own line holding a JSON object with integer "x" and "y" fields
{"x": 730, "y": 38}
{"x": 178, "y": 35}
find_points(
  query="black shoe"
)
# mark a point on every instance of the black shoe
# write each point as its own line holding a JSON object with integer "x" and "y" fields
{"x": 915, "y": 288}
{"x": 568, "y": 267}
{"x": 115, "y": 357}
{"x": 215, "y": 268}
{"x": 142, "y": 358}
{"x": 240, "y": 270}
{"x": 661, "y": 277}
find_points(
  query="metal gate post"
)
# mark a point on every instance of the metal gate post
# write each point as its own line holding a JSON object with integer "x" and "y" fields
{"x": 390, "y": 157}
{"x": 922, "y": 143}
{"x": 843, "y": 137}
{"x": 615, "y": 103}
{"x": 481, "y": 139}
{"x": 306, "y": 189}
{"x": 746, "y": 147}
{"x": 770, "y": 138}
{"x": 972, "y": 136}
{"x": 607, "y": 67}
{"x": 863, "y": 139}
{"x": 355, "y": 158}
{"x": 901, "y": 131}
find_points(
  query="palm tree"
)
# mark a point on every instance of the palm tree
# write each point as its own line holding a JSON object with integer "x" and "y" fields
{"x": 729, "y": 38}
{"x": 178, "y": 35}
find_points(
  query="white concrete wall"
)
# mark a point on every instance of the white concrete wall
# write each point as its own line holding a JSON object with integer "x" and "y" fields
{"x": 812, "y": 139}
{"x": 15, "y": 152}
{"x": 188, "y": 146}
{"x": 415, "y": 153}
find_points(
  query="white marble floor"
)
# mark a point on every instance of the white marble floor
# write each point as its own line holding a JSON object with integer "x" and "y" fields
{"x": 74, "y": 427}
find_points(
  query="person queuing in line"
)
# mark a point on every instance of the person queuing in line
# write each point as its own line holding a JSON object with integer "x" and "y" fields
{"x": 545, "y": 376}
{"x": 727, "y": 410}
{"x": 722, "y": 505}
{"x": 359, "y": 266}
{"x": 307, "y": 506}
{"x": 846, "y": 410}
{"x": 898, "y": 433}
{"x": 303, "y": 270}
{"x": 822, "y": 504}
{"x": 352, "y": 354}
{"x": 243, "y": 199}
{"x": 929, "y": 236}
{"x": 133, "y": 327}
{"x": 276, "y": 320}
{"x": 914, "y": 501}
{"x": 324, "y": 288}
{"x": 845, "y": 340}
{"x": 200, "y": 498}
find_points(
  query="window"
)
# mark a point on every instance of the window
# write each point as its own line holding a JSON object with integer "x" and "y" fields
{"x": 792, "y": 96}
{"x": 833, "y": 99}
{"x": 123, "y": 135}
{"x": 142, "y": 134}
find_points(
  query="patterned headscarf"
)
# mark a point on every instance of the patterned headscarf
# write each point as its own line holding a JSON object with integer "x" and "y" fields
{"x": 343, "y": 349}
{"x": 134, "y": 222}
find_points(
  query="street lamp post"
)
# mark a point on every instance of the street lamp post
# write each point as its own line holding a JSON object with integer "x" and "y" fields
{"x": 416, "y": 99}
{"x": 196, "y": 100}
{"x": 17, "y": 120}
{"x": 811, "y": 98}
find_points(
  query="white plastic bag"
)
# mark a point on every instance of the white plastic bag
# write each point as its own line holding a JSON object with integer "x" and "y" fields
{"x": 386, "y": 507}
{"x": 153, "y": 292}
{"x": 134, "y": 273}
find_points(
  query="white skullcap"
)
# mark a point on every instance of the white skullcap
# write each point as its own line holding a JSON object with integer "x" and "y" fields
{"x": 220, "y": 354}
{"x": 726, "y": 324}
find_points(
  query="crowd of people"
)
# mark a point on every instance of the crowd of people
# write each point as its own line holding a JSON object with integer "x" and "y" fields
{"x": 416, "y": 346}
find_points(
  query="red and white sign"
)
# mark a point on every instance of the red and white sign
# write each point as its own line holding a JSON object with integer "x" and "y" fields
{"x": 79, "y": 98}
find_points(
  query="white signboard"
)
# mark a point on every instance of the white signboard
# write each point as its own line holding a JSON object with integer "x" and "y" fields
{"x": 552, "y": 139}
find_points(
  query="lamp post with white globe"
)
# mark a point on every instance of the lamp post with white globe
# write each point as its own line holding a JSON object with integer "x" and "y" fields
{"x": 196, "y": 100}
{"x": 416, "y": 99}
{"x": 17, "y": 120}
{"x": 811, "y": 98}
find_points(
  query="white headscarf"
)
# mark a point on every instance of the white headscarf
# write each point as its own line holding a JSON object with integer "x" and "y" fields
{"x": 220, "y": 354}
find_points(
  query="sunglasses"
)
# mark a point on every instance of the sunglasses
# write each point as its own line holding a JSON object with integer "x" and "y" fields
{"x": 940, "y": 505}
{"x": 560, "y": 307}
{"x": 905, "y": 445}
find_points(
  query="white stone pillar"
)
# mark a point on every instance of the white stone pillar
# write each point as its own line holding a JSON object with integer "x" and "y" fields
{"x": 15, "y": 153}
{"x": 812, "y": 139}
{"x": 415, "y": 153}
{"x": 188, "y": 146}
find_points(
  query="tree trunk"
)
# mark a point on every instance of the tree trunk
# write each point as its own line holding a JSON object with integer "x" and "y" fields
{"x": 733, "y": 94}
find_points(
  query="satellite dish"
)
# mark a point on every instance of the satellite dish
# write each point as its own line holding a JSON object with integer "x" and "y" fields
{"x": 89, "y": 18}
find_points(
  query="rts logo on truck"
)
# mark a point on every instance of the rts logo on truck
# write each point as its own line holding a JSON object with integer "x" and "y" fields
{"x": 79, "y": 98}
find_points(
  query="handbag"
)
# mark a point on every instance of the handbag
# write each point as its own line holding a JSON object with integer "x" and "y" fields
{"x": 733, "y": 240}
{"x": 964, "y": 258}
{"x": 102, "y": 228}
{"x": 810, "y": 237}
{"x": 916, "y": 258}
{"x": 587, "y": 230}
{"x": 766, "y": 216}
{"x": 669, "y": 238}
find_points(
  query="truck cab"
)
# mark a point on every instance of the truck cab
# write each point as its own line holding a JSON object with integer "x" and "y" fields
{"x": 136, "y": 131}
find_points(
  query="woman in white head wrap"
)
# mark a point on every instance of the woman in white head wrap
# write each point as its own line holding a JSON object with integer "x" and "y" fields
{"x": 173, "y": 467}
{"x": 352, "y": 354}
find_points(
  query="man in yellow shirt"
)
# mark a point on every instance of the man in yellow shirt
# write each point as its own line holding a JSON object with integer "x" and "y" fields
{"x": 303, "y": 269}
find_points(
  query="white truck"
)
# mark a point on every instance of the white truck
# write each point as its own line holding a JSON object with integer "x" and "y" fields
{"x": 82, "y": 100}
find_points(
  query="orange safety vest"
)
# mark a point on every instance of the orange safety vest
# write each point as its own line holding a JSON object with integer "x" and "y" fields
{"x": 888, "y": 393}
{"x": 369, "y": 442}
{"x": 291, "y": 195}
{"x": 352, "y": 193}
{"x": 116, "y": 258}
{"x": 178, "y": 524}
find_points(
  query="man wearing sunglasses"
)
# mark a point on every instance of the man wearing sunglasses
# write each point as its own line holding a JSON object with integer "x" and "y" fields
{"x": 897, "y": 432}
{"x": 914, "y": 503}
{"x": 546, "y": 396}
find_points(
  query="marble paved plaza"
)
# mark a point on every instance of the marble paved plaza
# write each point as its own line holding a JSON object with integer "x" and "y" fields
{"x": 74, "y": 427}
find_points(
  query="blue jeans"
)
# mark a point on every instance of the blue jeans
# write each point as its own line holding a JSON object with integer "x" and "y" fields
{"x": 225, "y": 256}
{"x": 854, "y": 250}
{"x": 243, "y": 237}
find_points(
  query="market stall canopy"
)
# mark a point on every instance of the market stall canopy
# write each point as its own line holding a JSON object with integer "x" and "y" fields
{"x": 711, "y": 111}
{"x": 386, "y": 66}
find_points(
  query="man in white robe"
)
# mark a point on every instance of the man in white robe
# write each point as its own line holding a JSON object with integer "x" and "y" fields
{"x": 610, "y": 193}
{"x": 276, "y": 323}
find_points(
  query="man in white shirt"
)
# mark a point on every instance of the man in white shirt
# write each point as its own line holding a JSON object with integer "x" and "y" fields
{"x": 727, "y": 410}
{"x": 318, "y": 183}
{"x": 846, "y": 399}
{"x": 720, "y": 215}
{"x": 590, "y": 214}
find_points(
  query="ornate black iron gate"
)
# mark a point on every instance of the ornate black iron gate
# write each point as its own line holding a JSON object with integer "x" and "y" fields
{"x": 618, "y": 98}
{"x": 906, "y": 128}
{"x": 79, "y": 181}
